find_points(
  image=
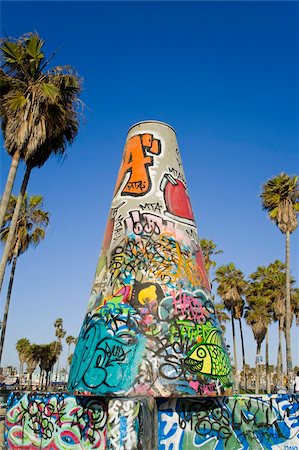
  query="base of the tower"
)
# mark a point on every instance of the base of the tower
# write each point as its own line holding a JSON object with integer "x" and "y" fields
{"x": 62, "y": 421}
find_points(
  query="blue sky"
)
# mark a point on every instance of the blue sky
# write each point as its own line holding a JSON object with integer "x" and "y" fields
{"x": 223, "y": 74}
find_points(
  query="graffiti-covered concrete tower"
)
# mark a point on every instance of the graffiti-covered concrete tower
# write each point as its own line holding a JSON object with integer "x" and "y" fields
{"x": 150, "y": 327}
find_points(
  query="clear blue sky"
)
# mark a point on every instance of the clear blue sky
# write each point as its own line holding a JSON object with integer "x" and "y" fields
{"x": 223, "y": 74}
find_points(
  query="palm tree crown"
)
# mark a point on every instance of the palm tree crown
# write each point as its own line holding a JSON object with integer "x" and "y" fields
{"x": 30, "y": 230}
{"x": 22, "y": 347}
{"x": 208, "y": 248}
{"x": 38, "y": 110}
{"x": 31, "y": 224}
{"x": 231, "y": 287}
{"x": 280, "y": 198}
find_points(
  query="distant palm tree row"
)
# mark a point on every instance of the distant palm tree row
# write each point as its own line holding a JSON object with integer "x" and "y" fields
{"x": 268, "y": 295}
{"x": 43, "y": 355}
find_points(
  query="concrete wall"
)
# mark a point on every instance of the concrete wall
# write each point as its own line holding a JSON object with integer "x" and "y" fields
{"x": 62, "y": 421}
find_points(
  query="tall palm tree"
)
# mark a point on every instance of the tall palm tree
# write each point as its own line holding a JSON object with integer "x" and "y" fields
{"x": 258, "y": 317}
{"x": 276, "y": 280}
{"x": 39, "y": 114}
{"x": 261, "y": 292}
{"x": 231, "y": 288}
{"x": 280, "y": 198}
{"x": 41, "y": 375}
{"x": 22, "y": 347}
{"x": 69, "y": 340}
{"x": 208, "y": 248}
{"x": 60, "y": 334}
{"x": 30, "y": 230}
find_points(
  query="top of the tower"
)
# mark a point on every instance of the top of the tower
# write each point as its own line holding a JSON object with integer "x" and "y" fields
{"x": 151, "y": 121}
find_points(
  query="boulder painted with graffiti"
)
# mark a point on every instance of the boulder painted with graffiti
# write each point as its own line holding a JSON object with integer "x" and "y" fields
{"x": 150, "y": 327}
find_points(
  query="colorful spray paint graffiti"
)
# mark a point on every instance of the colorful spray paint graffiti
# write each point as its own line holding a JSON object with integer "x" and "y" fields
{"x": 231, "y": 423}
{"x": 55, "y": 421}
{"x": 135, "y": 163}
{"x": 61, "y": 422}
{"x": 150, "y": 327}
{"x": 131, "y": 424}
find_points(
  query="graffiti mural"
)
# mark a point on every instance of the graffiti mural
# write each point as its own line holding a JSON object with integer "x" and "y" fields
{"x": 150, "y": 326}
{"x": 240, "y": 422}
{"x": 55, "y": 421}
{"x": 176, "y": 198}
{"x": 135, "y": 163}
{"x": 61, "y": 422}
{"x": 131, "y": 424}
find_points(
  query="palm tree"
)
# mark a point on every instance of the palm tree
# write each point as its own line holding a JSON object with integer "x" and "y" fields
{"x": 30, "y": 231}
{"x": 70, "y": 358}
{"x": 208, "y": 248}
{"x": 38, "y": 111}
{"x": 258, "y": 317}
{"x": 48, "y": 360}
{"x": 261, "y": 291}
{"x": 22, "y": 347}
{"x": 280, "y": 198}
{"x": 276, "y": 279}
{"x": 69, "y": 340}
{"x": 231, "y": 288}
{"x": 52, "y": 352}
{"x": 60, "y": 334}
{"x": 33, "y": 356}
{"x": 221, "y": 315}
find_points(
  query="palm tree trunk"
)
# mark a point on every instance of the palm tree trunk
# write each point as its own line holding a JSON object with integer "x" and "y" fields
{"x": 8, "y": 297}
{"x": 21, "y": 374}
{"x": 243, "y": 355}
{"x": 9, "y": 185}
{"x": 13, "y": 225}
{"x": 257, "y": 369}
{"x": 268, "y": 382}
{"x": 48, "y": 375}
{"x": 279, "y": 352}
{"x": 57, "y": 365}
{"x": 57, "y": 370}
{"x": 288, "y": 320}
{"x": 67, "y": 362}
{"x": 51, "y": 376}
{"x": 235, "y": 354}
{"x": 29, "y": 384}
{"x": 40, "y": 379}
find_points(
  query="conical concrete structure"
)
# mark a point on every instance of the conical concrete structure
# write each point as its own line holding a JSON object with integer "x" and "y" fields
{"x": 150, "y": 327}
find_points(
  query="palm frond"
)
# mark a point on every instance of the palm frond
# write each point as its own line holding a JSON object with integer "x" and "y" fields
{"x": 39, "y": 110}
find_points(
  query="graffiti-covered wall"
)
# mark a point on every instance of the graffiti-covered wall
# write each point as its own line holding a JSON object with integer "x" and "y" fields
{"x": 231, "y": 423}
{"x": 55, "y": 421}
{"x": 150, "y": 326}
{"x": 64, "y": 422}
